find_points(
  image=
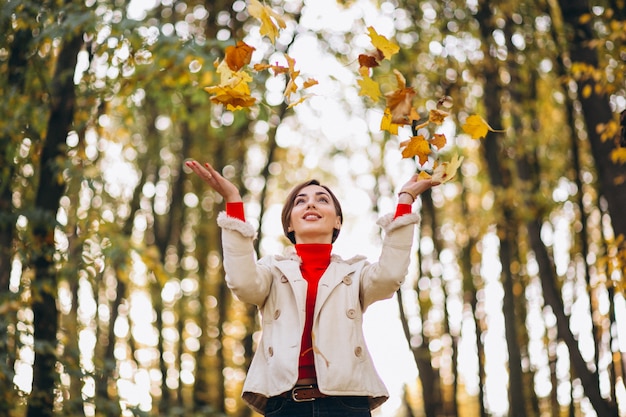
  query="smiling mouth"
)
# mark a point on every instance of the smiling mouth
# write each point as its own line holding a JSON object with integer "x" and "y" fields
{"x": 311, "y": 216}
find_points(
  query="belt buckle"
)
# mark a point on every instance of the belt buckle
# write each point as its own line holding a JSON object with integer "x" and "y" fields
{"x": 294, "y": 393}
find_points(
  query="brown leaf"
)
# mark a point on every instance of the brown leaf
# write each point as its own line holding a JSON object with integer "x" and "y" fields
{"x": 439, "y": 140}
{"x": 238, "y": 56}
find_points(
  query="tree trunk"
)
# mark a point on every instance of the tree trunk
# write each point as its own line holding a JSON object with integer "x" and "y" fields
{"x": 500, "y": 177}
{"x": 596, "y": 110}
{"x": 50, "y": 190}
{"x": 428, "y": 376}
{"x": 16, "y": 78}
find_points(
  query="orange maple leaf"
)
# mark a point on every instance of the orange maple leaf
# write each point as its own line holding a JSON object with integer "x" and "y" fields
{"x": 416, "y": 146}
{"x": 238, "y": 56}
{"x": 265, "y": 15}
{"x": 439, "y": 140}
{"x": 437, "y": 116}
{"x": 293, "y": 74}
{"x": 383, "y": 44}
{"x": 277, "y": 69}
{"x": 310, "y": 82}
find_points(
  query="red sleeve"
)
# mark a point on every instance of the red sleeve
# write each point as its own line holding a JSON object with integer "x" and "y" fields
{"x": 402, "y": 209}
{"x": 236, "y": 210}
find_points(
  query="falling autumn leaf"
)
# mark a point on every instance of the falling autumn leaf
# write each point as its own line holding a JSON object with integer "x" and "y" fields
{"x": 293, "y": 75}
{"x": 310, "y": 82}
{"x": 400, "y": 101}
{"x": 238, "y": 56}
{"x": 416, "y": 146}
{"x": 232, "y": 98}
{"x": 277, "y": 69}
{"x": 372, "y": 60}
{"x": 437, "y": 116}
{"x": 265, "y": 15}
{"x": 387, "y": 124}
{"x": 439, "y": 140}
{"x": 477, "y": 127}
{"x": 381, "y": 43}
{"x": 233, "y": 90}
{"x": 369, "y": 87}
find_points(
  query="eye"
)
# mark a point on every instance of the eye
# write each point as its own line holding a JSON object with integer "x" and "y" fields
{"x": 298, "y": 201}
{"x": 323, "y": 199}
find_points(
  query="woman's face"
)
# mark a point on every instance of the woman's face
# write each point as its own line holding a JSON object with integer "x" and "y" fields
{"x": 314, "y": 216}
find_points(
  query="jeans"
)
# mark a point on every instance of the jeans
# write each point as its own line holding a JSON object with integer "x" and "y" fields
{"x": 320, "y": 407}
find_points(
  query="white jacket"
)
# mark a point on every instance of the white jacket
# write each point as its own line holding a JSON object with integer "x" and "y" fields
{"x": 275, "y": 284}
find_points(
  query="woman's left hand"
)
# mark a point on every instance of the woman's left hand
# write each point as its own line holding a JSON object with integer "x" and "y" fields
{"x": 414, "y": 187}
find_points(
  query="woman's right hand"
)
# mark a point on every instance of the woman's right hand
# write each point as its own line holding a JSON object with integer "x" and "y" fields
{"x": 221, "y": 185}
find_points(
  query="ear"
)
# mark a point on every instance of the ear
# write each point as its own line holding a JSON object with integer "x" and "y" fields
{"x": 289, "y": 228}
{"x": 338, "y": 223}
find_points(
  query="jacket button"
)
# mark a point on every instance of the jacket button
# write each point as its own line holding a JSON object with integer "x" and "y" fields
{"x": 276, "y": 314}
{"x": 351, "y": 313}
{"x": 347, "y": 280}
{"x": 283, "y": 279}
{"x": 270, "y": 351}
{"x": 358, "y": 351}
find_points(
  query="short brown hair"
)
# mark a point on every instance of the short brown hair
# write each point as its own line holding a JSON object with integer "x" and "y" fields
{"x": 291, "y": 199}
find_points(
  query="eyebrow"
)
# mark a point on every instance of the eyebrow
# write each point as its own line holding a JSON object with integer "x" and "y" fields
{"x": 316, "y": 193}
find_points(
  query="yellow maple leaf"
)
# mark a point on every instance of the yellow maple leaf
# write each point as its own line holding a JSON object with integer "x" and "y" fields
{"x": 477, "y": 127}
{"x": 447, "y": 170}
{"x": 416, "y": 146}
{"x": 383, "y": 44}
{"x": 233, "y": 90}
{"x": 369, "y": 87}
{"x": 387, "y": 124}
{"x": 618, "y": 155}
{"x": 265, "y": 15}
{"x": 232, "y": 98}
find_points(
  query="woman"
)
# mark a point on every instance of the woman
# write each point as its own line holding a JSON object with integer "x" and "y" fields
{"x": 312, "y": 358}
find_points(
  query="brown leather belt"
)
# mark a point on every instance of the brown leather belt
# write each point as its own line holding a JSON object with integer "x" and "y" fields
{"x": 301, "y": 393}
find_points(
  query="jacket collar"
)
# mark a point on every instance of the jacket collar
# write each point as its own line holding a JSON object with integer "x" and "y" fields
{"x": 338, "y": 269}
{"x": 291, "y": 255}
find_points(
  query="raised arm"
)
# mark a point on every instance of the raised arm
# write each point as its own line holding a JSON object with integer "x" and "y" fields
{"x": 221, "y": 185}
{"x": 413, "y": 188}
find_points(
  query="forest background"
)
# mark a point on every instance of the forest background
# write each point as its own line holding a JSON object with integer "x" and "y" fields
{"x": 112, "y": 294}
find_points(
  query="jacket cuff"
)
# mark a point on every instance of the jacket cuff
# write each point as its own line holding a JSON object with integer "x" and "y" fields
{"x": 231, "y": 223}
{"x": 389, "y": 223}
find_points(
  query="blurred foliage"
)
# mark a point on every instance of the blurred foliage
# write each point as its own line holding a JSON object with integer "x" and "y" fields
{"x": 146, "y": 324}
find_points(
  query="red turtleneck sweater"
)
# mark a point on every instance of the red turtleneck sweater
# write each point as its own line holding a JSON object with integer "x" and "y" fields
{"x": 315, "y": 259}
